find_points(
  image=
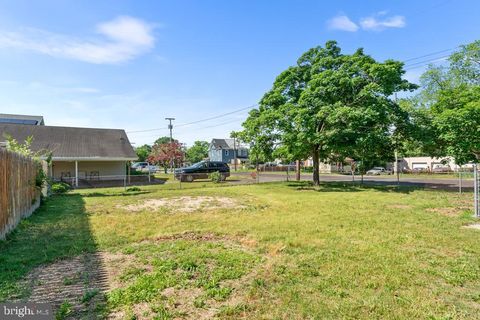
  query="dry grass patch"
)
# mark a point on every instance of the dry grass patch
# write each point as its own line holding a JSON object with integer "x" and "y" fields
{"x": 186, "y": 204}
{"x": 185, "y": 276}
{"x": 475, "y": 226}
{"x": 400, "y": 206}
{"x": 448, "y": 211}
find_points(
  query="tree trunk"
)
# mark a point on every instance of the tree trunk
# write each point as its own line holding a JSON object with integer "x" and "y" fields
{"x": 316, "y": 166}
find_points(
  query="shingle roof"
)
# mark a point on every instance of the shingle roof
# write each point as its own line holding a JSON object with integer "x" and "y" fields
{"x": 73, "y": 143}
{"x": 21, "y": 119}
{"x": 226, "y": 144}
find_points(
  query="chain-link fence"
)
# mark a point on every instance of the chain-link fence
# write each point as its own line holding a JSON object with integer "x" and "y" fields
{"x": 99, "y": 181}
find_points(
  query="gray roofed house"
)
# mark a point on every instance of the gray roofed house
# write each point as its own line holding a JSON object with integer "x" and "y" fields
{"x": 224, "y": 150}
{"x": 21, "y": 119}
{"x": 77, "y": 153}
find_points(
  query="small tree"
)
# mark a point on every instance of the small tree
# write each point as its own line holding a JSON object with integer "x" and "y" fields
{"x": 143, "y": 152}
{"x": 167, "y": 154}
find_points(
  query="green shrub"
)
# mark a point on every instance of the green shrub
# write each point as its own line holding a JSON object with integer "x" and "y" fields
{"x": 60, "y": 187}
{"x": 133, "y": 189}
{"x": 216, "y": 177}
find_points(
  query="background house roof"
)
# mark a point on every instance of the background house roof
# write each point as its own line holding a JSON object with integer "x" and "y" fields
{"x": 21, "y": 119}
{"x": 70, "y": 142}
{"x": 226, "y": 144}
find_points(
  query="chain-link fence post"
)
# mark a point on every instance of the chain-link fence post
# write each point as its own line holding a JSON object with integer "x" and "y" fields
{"x": 460, "y": 179}
{"x": 476, "y": 191}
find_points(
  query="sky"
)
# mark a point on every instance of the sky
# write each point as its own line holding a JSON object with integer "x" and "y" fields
{"x": 130, "y": 64}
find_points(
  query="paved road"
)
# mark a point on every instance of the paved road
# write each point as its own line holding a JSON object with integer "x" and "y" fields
{"x": 439, "y": 183}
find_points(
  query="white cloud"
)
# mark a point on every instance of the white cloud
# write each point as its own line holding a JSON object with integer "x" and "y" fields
{"x": 120, "y": 40}
{"x": 376, "y": 23}
{"x": 342, "y": 22}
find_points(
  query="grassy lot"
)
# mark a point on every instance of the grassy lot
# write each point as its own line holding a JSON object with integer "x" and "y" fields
{"x": 270, "y": 251}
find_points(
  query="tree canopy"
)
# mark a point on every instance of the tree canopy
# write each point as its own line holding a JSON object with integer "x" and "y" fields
{"x": 143, "y": 152}
{"x": 167, "y": 154}
{"x": 451, "y": 94}
{"x": 197, "y": 152}
{"x": 162, "y": 140}
{"x": 328, "y": 105}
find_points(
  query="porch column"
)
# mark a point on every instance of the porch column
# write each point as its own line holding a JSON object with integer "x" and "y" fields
{"x": 76, "y": 173}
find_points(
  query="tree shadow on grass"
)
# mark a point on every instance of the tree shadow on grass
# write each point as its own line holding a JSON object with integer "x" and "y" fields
{"x": 345, "y": 186}
{"x": 51, "y": 257}
{"x": 114, "y": 194}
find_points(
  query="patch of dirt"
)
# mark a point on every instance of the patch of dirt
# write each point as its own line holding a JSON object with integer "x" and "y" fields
{"x": 475, "y": 226}
{"x": 232, "y": 241}
{"x": 191, "y": 302}
{"x": 186, "y": 204}
{"x": 448, "y": 211}
{"x": 72, "y": 280}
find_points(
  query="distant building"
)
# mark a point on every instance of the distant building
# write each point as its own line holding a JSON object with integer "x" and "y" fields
{"x": 428, "y": 164}
{"x": 224, "y": 150}
{"x": 21, "y": 119}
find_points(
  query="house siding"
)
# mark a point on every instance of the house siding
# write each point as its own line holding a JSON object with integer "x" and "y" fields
{"x": 106, "y": 169}
{"x": 227, "y": 157}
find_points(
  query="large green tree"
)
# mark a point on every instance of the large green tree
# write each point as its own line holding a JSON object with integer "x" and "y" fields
{"x": 197, "y": 152}
{"x": 328, "y": 105}
{"x": 451, "y": 93}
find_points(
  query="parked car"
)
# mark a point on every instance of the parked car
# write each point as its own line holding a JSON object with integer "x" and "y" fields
{"x": 139, "y": 165}
{"x": 201, "y": 170}
{"x": 442, "y": 169}
{"x": 376, "y": 171}
{"x": 150, "y": 168}
{"x": 419, "y": 170}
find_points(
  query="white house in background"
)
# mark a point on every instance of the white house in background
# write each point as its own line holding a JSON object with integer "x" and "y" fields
{"x": 78, "y": 154}
{"x": 428, "y": 163}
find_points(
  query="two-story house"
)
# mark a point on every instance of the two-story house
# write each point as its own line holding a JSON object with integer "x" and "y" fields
{"x": 225, "y": 150}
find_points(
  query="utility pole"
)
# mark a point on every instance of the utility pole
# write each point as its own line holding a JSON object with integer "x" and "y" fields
{"x": 170, "y": 127}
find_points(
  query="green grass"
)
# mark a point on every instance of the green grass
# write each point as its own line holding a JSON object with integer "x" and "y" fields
{"x": 332, "y": 252}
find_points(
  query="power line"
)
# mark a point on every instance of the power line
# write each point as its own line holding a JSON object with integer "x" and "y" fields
{"x": 216, "y": 125}
{"x": 216, "y": 117}
{"x": 425, "y": 62}
{"x": 430, "y": 54}
{"x": 198, "y": 121}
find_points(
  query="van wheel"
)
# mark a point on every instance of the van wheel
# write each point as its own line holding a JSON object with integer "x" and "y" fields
{"x": 189, "y": 178}
{"x": 223, "y": 177}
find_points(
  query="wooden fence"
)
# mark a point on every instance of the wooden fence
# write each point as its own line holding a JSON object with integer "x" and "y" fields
{"x": 18, "y": 195}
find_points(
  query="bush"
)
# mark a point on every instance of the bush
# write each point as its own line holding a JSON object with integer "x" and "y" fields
{"x": 60, "y": 187}
{"x": 40, "y": 178}
{"x": 216, "y": 177}
{"x": 133, "y": 189}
